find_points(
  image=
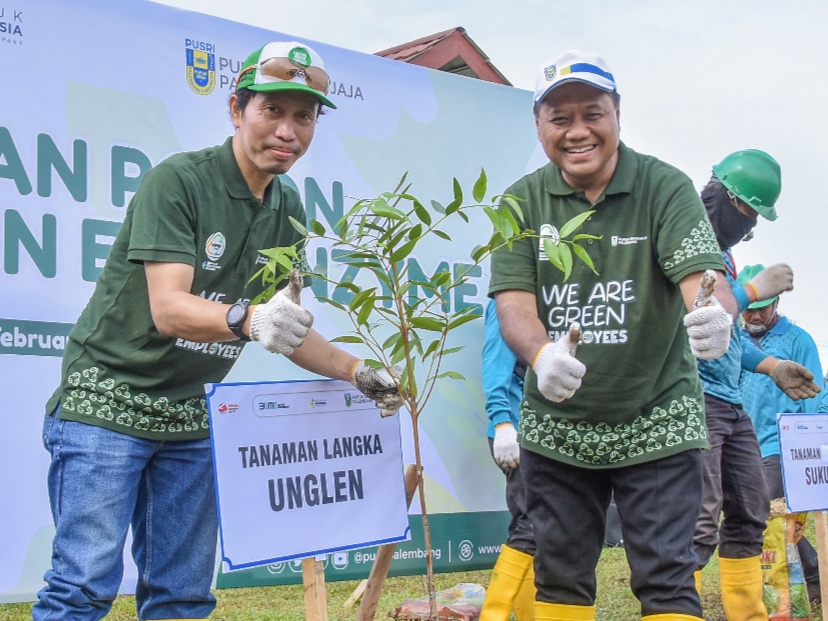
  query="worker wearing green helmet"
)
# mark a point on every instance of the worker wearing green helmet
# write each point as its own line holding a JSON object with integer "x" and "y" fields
{"x": 744, "y": 185}
{"x": 776, "y": 336}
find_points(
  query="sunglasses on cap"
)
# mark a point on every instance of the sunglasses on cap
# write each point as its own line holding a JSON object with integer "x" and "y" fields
{"x": 284, "y": 69}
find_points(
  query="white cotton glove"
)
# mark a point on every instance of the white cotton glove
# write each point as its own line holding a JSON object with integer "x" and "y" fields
{"x": 281, "y": 325}
{"x": 772, "y": 281}
{"x": 377, "y": 384}
{"x": 794, "y": 380}
{"x": 559, "y": 371}
{"x": 505, "y": 447}
{"x": 708, "y": 325}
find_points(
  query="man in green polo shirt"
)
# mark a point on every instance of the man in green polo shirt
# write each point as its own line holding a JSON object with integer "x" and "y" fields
{"x": 626, "y": 415}
{"x": 127, "y": 428}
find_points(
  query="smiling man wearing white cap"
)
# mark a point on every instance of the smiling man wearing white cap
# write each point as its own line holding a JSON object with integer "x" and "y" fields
{"x": 612, "y": 399}
{"x": 127, "y": 429}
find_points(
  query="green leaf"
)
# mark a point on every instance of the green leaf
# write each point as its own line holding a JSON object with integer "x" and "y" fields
{"x": 452, "y": 374}
{"x": 459, "y": 321}
{"x": 453, "y": 350}
{"x": 415, "y": 232}
{"x": 391, "y": 340}
{"x": 401, "y": 182}
{"x": 458, "y": 192}
{"x": 438, "y": 207}
{"x": 575, "y": 222}
{"x": 454, "y": 206}
{"x": 566, "y": 259}
{"x": 348, "y": 285}
{"x": 365, "y": 312}
{"x": 427, "y": 323}
{"x": 298, "y": 226}
{"x": 403, "y": 251}
{"x": 582, "y": 254}
{"x": 479, "y": 190}
{"x": 381, "y": 208}
{"x": 333, "y": 303}
{"x": 422, "y": 213}
{"x": 553, "y": 253}
{"x": 360, "y": 297}
{"x": 347, "y": 338}
{"x": 432, "y": 347}
{"x": 581, "y": 236}
{"x": 318, "y": 228}
{"x": 441, "y": 234}
{"x": 374, "y": 364}
{"x": 398, "y": 353}
{"x": 463, "y": 215}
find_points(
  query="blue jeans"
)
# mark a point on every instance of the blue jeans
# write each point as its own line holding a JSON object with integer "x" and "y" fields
{"x": 100, "y": 483}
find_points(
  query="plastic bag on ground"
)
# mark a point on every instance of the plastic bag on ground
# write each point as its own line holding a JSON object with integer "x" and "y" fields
{"x": 461, "y": 602}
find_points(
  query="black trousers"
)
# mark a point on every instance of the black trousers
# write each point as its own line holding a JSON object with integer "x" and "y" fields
{"x": 658, "y": 503}
{"x": 807, "y": 554}
{"x": 734, "y": 485}
{"x": 521, "y": 533}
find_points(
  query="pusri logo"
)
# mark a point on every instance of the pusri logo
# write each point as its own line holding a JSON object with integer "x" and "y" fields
{"x": 201, "y": 66}
{"x": 228, "y": 408}
{"x": 547, "y": 231}
{"x": 319, "y": 402}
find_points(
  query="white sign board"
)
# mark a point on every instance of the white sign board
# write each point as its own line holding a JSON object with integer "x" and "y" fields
{"x": 803, "y": 444}
{"x": 303, "y": 468}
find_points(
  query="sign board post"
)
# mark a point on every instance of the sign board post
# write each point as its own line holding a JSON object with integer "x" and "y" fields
{"x": 803, "y": 447}
{"x": 302, "y": 469}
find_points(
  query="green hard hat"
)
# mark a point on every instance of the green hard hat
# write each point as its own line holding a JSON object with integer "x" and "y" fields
{"x": 745, "y": 276}
{"x": 754, "y": 177}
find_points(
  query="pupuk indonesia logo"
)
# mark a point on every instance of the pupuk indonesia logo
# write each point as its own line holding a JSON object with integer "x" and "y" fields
{"x": 201, "y": 66}
{"x": 11, "y": 26}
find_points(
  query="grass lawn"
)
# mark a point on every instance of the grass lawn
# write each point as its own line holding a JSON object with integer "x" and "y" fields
{"x": 286, "y": 603}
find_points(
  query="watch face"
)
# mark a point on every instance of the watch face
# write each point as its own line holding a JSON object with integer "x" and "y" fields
{"x": 236, "y": 314}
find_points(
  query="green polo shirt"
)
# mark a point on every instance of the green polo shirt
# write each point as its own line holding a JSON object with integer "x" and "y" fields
{"x": 641, "y": 398}
{"x": 194, "y": 208}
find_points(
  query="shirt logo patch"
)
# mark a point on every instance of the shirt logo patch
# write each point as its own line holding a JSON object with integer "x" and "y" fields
{"x": 615, "y": 240}
{"x": 547, "y": 231}
{"x": 215, "y": 246}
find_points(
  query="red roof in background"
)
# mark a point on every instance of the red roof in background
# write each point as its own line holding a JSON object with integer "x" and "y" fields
{"x": 452, "y": 51}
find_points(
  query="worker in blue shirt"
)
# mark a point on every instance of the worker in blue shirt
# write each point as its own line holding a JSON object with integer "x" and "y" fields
{"x": 776, "y": 336}
{"x": 512, "y": 584}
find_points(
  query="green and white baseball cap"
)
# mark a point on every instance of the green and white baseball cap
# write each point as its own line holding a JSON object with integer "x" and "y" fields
{"x": 286, "y": 66}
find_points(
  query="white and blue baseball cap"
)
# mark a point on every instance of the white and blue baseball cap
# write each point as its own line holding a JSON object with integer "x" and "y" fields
{"x": 571, "y": 66}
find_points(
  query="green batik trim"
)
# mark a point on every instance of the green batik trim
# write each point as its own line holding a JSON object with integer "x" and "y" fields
{"x": 702, "y": 240}
{"x": 107, "y": 401}
{"x": 603, "y": 444}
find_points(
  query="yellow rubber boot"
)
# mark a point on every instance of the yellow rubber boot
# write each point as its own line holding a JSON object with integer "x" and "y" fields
{"x": 741, "y": 580}
{"x": 671, "y": 616}
{"x": 525, "y": 598}
{"x": 506, "y": 580}
{"x": 563, "y": 612}
{"x": 697, "y": 576}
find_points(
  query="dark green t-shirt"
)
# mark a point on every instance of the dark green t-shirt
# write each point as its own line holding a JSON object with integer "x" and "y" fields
{"x": 640, "y": 398}
{"x": 194, "y": 208}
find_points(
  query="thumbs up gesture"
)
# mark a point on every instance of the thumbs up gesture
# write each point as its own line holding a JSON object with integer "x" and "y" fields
{"x": 281, "y": 324}
{"x": 708, "y": 324}
{"x": 559, "y": 371}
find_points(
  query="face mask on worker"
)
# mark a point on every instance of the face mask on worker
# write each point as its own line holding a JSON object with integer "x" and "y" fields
{"x": 729, "y": 224}
{"x": 758, "y": 331}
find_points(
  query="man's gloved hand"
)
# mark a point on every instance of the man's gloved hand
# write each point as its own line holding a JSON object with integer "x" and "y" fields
{"x": 559, "y": 371}
{"x": 377, "y": 384}
{"x": 505, "y": 447}
{"x": 794, "y": 380}
{"x": 708, "y": 325}
{"x": 280, "y": 324}
{"x": 772, "y": 281}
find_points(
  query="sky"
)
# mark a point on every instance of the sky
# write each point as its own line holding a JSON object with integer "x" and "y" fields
{"x": 698, "y": 80}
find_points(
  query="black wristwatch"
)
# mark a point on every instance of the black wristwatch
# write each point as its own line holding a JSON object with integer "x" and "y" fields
{"x": 236, "y": 316}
